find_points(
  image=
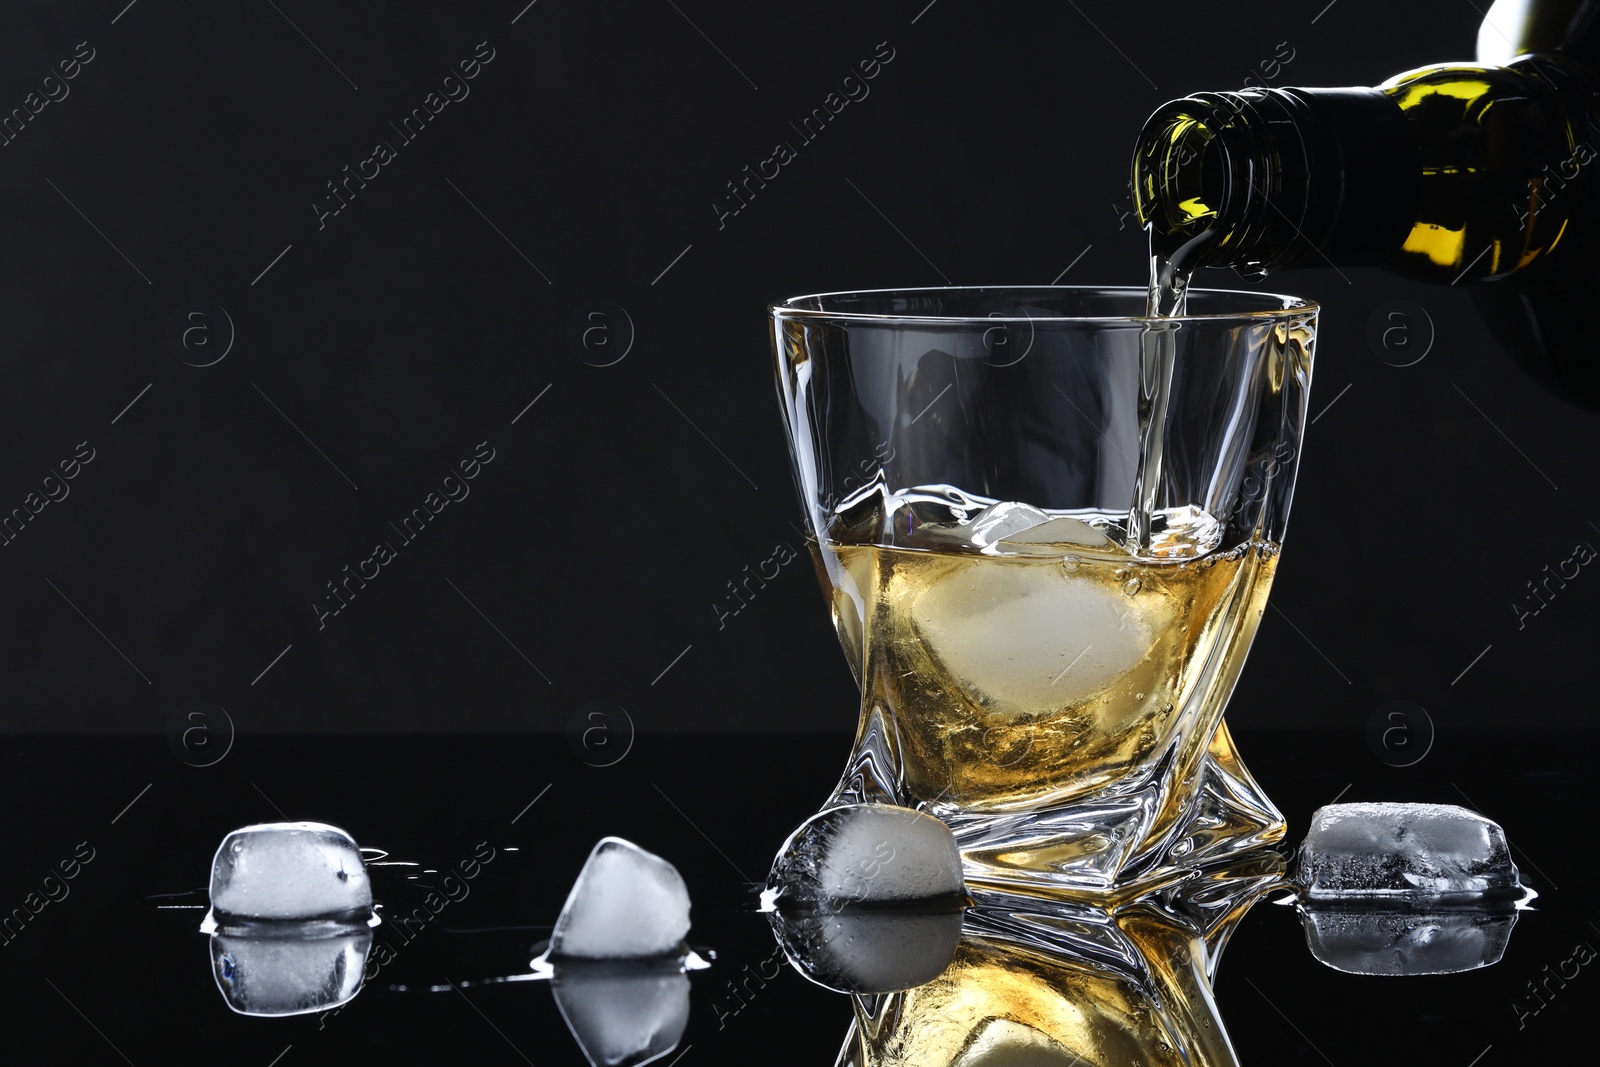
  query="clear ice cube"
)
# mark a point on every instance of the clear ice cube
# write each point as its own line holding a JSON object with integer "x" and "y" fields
{"x": 1063, "y": 530}
{"x": 866, "y": 853}
{"x": 1011, "y": 523}
{"x": 292, "y": 969}
{"x": 1005, "y": 519}
{"x": 1028, "y": 638}
{"x": 289, "y": 870}
{"x": 1414, "y": 852}
{"x": 622, "y": 1013}
{"x": 626, "y": 904}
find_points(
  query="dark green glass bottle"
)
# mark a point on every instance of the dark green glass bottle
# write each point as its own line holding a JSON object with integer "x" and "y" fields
{"x": 1455, "y": 173}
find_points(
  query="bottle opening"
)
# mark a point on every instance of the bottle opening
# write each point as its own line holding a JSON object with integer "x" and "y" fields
{"x": 1180, "y": 179}
{"x": 1204, "y": 171}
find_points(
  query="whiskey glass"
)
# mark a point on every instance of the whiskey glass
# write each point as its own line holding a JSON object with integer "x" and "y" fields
{"x": 1047, "y": 524}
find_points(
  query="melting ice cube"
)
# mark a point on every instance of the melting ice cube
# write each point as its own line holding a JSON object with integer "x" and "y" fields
{"x": 289, "y": 870}
{"x": 623, "y": 1013}
{"x": 1030, "y": 638}
{"x": 1409, "y": 852}
{"x": 626, "y": 904}
{"x": 617, "y": 956}
{"x": 867, "y": 898}
{"x": 290, "y": 968}
{"x": 867, "y": 853}
{"x": 1011, "y": 523}
{"x": 1064, "y": 530}
{"x": 1005, "y": 519}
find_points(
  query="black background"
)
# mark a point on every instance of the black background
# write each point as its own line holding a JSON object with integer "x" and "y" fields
{"x": 371, "y": 355}
{"x": 410, "y": 327}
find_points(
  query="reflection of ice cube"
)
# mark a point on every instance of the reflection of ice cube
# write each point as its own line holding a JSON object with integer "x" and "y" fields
{"x": 622, "y": 1013}
{"x": 290, "y": 968}
{"x": 866, "y": 852}
{"x": 627, "y": 903}
{"x": 1372, "y": 941}
{"x": 1417, "y": 852}
{"x": 289, "y": 870}
{"x": 868, "y": 951}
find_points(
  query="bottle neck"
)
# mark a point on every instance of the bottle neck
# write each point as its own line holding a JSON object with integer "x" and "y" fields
{"x": 1267, "y": 179}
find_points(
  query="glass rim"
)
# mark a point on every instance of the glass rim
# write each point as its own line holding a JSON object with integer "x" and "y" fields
{"x": 1292, "y": 306}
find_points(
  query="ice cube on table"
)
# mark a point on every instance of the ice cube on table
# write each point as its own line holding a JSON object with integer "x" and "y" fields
{"x": 289, "y": 870}
{"x": 290, "y": 968}
{"x": 626, "y": 904}
{"x": 873, "y": 853}
{"x": 1413, "y": 852}
{"x": 622, "y": 1013}
{"x": 1378, "y": 940}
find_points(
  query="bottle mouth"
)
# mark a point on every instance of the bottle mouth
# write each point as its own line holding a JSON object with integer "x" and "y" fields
{"x": 1179, "y": 180}
{"x": 1203, "y": 172}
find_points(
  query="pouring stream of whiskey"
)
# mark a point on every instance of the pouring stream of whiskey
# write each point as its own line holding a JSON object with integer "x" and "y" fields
{"x": 1169, "y": 290}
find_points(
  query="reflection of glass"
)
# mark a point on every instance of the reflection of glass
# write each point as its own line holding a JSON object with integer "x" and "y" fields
{"x": 1070, "y": 984}
{"x": 1048, "y": 526}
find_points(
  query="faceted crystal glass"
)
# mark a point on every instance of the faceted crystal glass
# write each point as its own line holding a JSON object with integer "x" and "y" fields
{"x": 1047, "y": 525}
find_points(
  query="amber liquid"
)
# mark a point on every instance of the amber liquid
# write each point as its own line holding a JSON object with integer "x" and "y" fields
{"x": 1021, "y": 681}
